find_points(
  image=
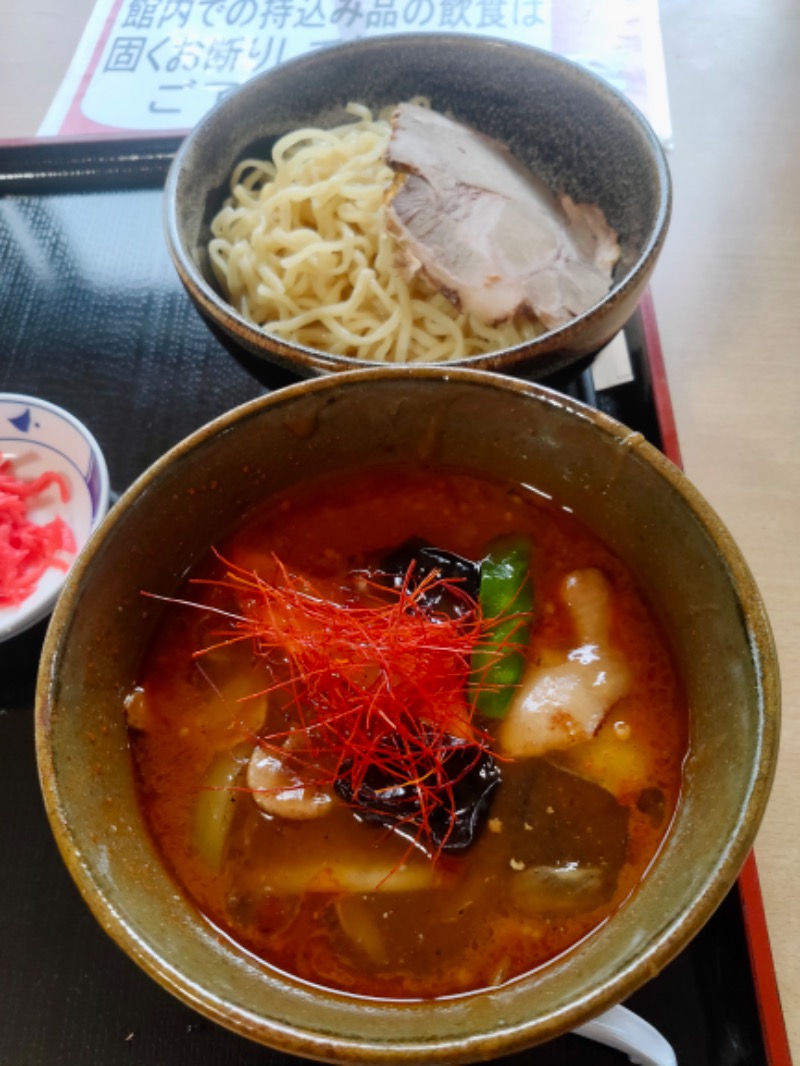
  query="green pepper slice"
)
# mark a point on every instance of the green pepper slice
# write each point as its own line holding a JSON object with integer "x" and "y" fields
{"x": 506, "y": 599}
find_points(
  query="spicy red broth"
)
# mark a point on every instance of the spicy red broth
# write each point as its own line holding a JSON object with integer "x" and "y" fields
{"x": 409, "y": 844}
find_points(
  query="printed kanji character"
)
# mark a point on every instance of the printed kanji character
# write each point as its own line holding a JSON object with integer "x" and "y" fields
{"x": 491, "y": 13}
{"x": 275, "y": 14}
{"x": 418, "y": 12}
{"x": 223, "y": 53}
{"x": 125, "y": 54}
{"x": 176, "y": 11}
{"x": 383, "y": 16}
{"x": 454, "y": 13}
{"x": 312, "y": 17}
{"x": 139, "y": 16}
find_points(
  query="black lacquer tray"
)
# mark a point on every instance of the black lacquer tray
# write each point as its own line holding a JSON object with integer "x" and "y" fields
{"x": 93, "y": 318}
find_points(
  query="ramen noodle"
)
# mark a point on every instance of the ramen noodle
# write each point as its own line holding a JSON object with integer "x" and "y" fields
{"x": 300, "y": 249}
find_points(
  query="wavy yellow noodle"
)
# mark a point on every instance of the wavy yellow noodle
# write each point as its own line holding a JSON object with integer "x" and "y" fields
{"x": 300, "y": 250}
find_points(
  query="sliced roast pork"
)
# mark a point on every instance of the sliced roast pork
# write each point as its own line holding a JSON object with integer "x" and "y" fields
{"x": 486, "y": 231}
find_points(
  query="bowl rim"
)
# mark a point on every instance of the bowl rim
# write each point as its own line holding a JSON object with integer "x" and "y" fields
{"x": 644, "y": 963}
{"x": 316, "y": 361}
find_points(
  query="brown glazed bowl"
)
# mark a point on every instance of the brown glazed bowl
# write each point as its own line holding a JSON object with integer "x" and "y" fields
{"x": 617, "y": 483}
{"x": 581, "y": 135}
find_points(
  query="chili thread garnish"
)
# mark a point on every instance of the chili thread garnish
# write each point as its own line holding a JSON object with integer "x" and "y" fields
{"x": 377, "y": 686}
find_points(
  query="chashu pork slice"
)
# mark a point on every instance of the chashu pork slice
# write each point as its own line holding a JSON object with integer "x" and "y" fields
{"x": 486, "y": 231}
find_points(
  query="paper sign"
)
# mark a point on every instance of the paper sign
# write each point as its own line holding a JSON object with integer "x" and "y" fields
{"x": 158, "y": 66}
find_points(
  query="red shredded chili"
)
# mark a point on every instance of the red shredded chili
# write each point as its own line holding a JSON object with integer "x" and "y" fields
{"x": 376, "y": 686}
{"x": 27, "y": 550}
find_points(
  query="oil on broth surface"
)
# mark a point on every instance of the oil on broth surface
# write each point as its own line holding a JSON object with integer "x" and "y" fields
{"x": 345, "y": 903}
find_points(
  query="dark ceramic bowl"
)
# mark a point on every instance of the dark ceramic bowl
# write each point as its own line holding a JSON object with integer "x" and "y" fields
{"x": 622, "y": 487}
{"x": 576, "y": 131}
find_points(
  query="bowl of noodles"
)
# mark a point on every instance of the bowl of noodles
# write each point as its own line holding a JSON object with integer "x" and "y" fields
{"x": 419, "y": 200}
{"x": 439, "y": 716}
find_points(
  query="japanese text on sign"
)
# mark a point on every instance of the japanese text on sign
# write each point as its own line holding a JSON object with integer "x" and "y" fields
{"x": 161, "y": 64}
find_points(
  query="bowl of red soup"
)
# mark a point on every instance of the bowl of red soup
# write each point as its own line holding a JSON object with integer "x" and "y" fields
{"x": 407, "y": 716}
{"x": 419, "y": 199}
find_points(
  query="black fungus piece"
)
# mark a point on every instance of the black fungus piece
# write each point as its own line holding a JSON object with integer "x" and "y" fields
{"x": 392, "y": 568}
{"x": 456, "y": 808}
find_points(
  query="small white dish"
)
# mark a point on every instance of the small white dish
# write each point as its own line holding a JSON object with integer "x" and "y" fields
{"x": 39, "y": 437}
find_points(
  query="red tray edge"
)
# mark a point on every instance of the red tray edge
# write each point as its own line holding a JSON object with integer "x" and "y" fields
{"x": 755, "y": 920}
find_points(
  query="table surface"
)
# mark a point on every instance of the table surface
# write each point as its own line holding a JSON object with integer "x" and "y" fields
{"x": 727, "y": 299}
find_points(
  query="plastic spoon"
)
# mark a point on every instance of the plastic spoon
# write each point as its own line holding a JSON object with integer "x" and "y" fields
{"x": 622, "y": 1029}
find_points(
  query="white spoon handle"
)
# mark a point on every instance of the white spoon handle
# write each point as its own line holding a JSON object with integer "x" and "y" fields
{"x": 622, "y": 1029}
